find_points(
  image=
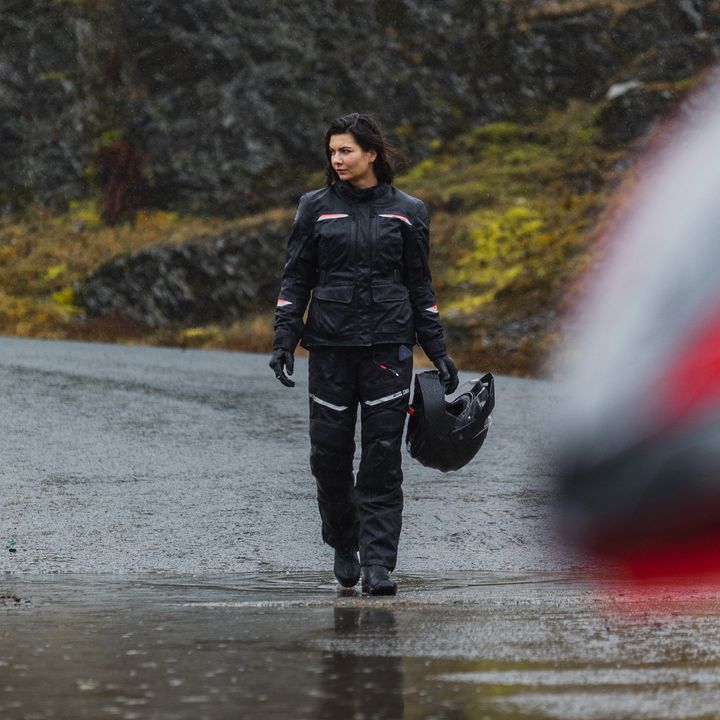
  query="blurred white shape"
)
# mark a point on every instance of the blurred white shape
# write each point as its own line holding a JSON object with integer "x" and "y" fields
{"x": 659, "y": 283}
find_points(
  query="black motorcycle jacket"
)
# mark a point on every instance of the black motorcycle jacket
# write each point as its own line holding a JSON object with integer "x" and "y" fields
{"x": 364, "y": 256}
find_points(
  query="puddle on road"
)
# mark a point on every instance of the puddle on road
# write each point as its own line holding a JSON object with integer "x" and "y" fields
{"x": 308, "y": 589}
{"x": 287, "y": 645}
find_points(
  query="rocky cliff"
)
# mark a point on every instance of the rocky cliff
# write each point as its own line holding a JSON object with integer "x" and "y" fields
{"x": 217, "y": 106}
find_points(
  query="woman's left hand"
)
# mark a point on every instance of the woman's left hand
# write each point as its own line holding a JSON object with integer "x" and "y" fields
{"x": 448, "y": 373}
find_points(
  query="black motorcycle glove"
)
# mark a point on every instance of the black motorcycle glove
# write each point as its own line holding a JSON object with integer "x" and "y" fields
{"x": 448, "y": 373}
{"x": 283, "y": 364}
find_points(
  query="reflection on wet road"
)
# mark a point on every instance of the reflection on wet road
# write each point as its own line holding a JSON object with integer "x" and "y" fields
{"x": 286, "y": 645}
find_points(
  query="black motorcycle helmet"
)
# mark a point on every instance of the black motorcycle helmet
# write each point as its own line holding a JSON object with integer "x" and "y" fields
{"x": 447, "y": 435}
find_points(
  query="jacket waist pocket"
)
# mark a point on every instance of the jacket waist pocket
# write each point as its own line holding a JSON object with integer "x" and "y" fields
{"x": 389, "y": 292}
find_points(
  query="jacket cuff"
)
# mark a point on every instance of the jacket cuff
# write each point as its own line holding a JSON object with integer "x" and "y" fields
{"x": 434, "y": 349}
{"x": 284, "y": 342}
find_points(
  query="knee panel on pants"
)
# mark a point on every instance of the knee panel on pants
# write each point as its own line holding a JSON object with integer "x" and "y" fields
{"x": 380, "y": 465}
{"x": 381, "y": 452}
{"x": 332, "y": 447}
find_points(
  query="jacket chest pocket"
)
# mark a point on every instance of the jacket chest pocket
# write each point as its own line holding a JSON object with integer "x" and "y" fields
{"x": 334, "y": 237}
{"x": 389, "y": 241}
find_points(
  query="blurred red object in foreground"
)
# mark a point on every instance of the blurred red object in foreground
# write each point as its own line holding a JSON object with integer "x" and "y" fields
{"x": 696, "y": 556}
{"x": 693, "y": 380}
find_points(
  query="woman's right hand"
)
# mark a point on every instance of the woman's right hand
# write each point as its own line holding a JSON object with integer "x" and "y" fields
{"x": 283, "y": 364}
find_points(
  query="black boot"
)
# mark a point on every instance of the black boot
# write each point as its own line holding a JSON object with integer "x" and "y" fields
{"x": 377, "y": 581}
{"x": 346, "y": 567}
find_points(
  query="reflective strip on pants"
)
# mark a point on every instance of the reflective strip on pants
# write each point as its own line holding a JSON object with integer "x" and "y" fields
{"x": 387, "y": 398}
{"x": 327, "y": 404}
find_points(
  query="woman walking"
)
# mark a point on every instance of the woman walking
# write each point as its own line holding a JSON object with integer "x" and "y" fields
{"x": 361, "y": 247}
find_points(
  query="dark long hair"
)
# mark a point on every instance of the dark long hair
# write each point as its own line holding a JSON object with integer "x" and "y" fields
{"x": 368, "y": 135}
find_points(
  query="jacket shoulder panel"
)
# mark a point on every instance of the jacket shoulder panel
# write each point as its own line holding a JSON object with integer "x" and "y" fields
{"x": 316, "y": 195}
{"x": 316, "y": 202}
{"x": 308, "y": 205}
{"x": 411, "y": 204}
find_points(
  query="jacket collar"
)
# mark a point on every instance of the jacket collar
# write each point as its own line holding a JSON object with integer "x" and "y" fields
{"x": 352, "y": 194}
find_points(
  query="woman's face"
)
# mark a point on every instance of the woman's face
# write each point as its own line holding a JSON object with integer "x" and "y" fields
{"x": 351, "y": 162}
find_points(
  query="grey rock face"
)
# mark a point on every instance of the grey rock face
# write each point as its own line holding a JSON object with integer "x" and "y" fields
{"x": 44, "y": 61}
{"x": 212, "y": 280}
{"x": 228, "y": 101}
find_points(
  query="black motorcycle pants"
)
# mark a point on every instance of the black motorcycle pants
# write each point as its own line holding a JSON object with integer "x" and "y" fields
{"x": 362, "y": 513}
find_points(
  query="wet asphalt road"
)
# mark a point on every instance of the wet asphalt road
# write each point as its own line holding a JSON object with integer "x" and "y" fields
{"x": 169, "y": 564}
{"x": 133, "y": 459}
